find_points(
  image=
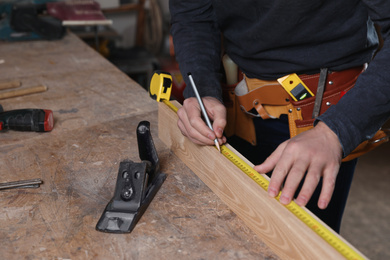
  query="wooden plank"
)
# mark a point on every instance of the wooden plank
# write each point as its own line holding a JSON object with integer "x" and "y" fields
{"x": 283, "y": 232}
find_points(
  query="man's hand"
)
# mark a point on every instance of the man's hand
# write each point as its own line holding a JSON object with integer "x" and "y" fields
{"x": 317, "y": 152}
{"x": 193, "y": 126}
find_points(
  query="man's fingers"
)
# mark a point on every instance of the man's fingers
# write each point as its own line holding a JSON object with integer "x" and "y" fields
{"x": 217, "y": 114}
{"x": 189, "y": 131}
{"x": 192, "y": 125}
{"x": 184, "y": 132}
{"x": 268, "y": 165}
{"x": 317, "y": 152}
{"x": 328, "y": 184}
{"x": 218, "y": 127}
{"x": 311, "y": 182}
{"x": 293, "y": 179}
{"x": 195, "y": 122}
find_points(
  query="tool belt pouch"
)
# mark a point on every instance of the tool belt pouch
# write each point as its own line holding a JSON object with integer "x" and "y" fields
{"x": 245, "y": 100}
{"x": 337, "y": 85}
{"x": 238, "y": 122}
{"x": 267, "y": 99}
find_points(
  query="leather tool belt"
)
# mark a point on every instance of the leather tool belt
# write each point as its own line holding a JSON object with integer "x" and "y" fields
{"x": 268, "y": 99}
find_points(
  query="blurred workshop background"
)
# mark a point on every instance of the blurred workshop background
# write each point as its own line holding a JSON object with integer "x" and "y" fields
{"x": 138, "y": 40}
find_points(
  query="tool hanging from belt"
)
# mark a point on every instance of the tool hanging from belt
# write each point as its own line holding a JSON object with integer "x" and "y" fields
{"x": 320, "y": 92}
{"x": 268, "y": 99}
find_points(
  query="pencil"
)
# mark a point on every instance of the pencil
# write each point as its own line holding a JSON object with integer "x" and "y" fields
{"x": 203, "y": 109}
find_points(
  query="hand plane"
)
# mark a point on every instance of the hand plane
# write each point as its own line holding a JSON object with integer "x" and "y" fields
{"x": 136, "y": 186}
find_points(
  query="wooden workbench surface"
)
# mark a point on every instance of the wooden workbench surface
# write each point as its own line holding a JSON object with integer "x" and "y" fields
{"x": 97, "y": 109}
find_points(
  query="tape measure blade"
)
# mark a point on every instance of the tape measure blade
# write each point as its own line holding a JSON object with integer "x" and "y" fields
{"x": 245, "y": 165}
{"x": 244, "y": 159}
{"x": 170, "y": 105}
{"x": 233, "y": 150}
{"x": 307, "y": 217}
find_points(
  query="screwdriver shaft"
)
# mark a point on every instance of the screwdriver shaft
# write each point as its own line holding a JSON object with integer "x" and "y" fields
{"x": 34, "y": 183}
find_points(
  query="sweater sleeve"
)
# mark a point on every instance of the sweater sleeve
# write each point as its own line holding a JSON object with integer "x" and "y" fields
{"x": 197, "y": 42}
{"x": 365, "y": 108}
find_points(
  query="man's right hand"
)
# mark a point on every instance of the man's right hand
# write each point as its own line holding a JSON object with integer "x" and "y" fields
{"x": 194, "y": 127}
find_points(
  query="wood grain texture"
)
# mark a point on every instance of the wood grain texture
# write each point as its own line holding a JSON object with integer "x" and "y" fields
{"x": 96, "y": 110}
{"x": 284, "y": 233}
{"x": 22, "y": 91}
{"x": 10, "y": 84}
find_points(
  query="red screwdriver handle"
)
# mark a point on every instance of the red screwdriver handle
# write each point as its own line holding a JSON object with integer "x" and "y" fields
{"x": 38, "y": 120}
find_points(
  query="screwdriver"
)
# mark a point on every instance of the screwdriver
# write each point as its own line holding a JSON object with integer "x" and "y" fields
{"x": 34, "y": 183}
{"x": 38, "y": 120}
{"x": 203, "y": 109}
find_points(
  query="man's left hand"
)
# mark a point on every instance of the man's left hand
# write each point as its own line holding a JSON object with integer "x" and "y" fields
{"x": 318, "y": 152}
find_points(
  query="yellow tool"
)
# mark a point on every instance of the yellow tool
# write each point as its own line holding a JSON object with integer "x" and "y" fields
{"x": 323, "y": 231}
{"x": 161, "y": 87}
{"x": 295, "y": 87}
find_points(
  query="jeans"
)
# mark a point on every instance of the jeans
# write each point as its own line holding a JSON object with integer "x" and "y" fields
{"x": 270, "y": 133}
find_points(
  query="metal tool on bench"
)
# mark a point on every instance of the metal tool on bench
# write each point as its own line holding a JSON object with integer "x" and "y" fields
{"x": 34, "y": 183}
{"x": 136, "y": 186}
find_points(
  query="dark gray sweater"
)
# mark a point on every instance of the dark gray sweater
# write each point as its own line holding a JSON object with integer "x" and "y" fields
{"x": 269, "y": 39}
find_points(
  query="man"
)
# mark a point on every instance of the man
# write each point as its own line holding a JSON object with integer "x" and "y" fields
{"x": 271, "y": 39}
